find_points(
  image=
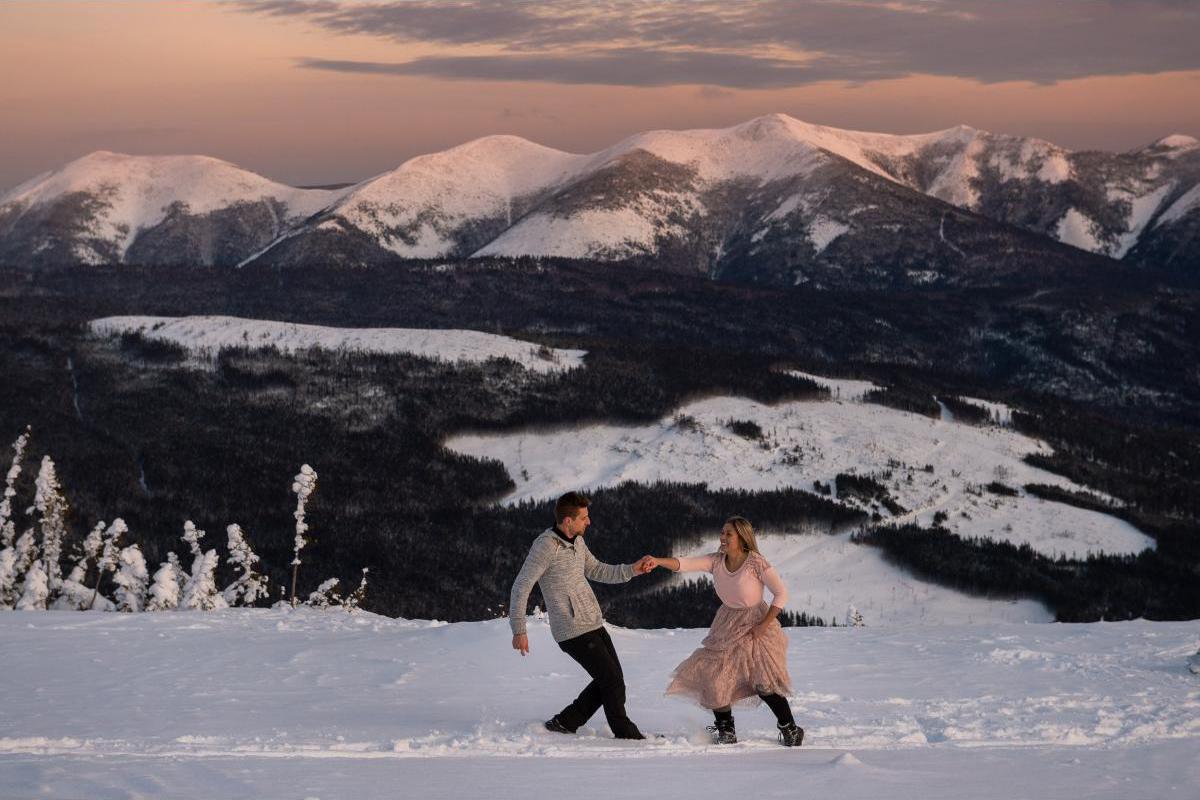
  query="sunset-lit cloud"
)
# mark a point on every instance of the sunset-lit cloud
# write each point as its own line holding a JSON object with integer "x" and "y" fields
{"x": 325, "y": 91}
{"x": 720, "y": 43}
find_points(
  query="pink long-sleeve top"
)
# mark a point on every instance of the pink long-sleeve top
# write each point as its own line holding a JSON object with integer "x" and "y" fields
{"x": 742, "y": 588}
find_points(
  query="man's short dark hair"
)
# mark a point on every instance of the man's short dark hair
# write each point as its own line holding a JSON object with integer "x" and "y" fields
{"x": 568, "y": 505}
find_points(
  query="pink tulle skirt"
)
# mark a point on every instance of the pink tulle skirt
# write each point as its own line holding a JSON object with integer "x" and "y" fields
{"x": 732, "y": 665}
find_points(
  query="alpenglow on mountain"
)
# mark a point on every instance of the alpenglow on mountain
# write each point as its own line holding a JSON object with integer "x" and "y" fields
{"x": 773, "y": 200}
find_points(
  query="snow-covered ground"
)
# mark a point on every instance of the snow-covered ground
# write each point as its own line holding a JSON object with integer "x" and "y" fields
{"x": 805, "y": 442}
{"x": 208, "y": 334}
{"x": 266, "y": 704}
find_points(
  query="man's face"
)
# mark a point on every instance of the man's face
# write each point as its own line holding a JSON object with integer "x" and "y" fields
{"x": 578, "y": 524}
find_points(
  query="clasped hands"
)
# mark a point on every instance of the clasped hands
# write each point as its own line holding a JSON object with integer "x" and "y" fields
{"x": 646, "y": 564}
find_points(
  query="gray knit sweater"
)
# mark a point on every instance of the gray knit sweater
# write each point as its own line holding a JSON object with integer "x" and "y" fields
{"x": 563, "y": 570}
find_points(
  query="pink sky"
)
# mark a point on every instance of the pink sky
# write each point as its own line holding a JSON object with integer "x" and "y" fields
{"x": 322, "y": 91}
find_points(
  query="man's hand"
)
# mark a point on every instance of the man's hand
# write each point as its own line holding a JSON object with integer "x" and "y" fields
{"x": 645, "y": 564}
{"x": 521, "y": 643}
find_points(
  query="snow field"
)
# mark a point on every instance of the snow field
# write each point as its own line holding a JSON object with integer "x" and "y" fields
{"x": 256, "y": 702}
{"x": 208, "y": 334}
{"x": 814, "y": 441}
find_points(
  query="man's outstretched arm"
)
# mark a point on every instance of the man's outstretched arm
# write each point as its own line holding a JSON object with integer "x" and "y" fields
{"x": 536, "y": 564}
{"x": 598, "y": 571}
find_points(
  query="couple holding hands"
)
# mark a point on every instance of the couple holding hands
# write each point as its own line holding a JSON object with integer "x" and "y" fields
{"x": 744, "y": 656}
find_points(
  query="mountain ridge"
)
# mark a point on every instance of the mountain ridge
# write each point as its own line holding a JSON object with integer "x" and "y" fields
{"x": 770, "y": 190}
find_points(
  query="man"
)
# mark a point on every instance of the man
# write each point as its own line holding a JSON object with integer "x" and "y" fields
{"x": 559, "y": 560}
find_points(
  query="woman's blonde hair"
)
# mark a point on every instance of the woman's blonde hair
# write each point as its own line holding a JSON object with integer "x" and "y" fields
{"x": 745, "y": 532}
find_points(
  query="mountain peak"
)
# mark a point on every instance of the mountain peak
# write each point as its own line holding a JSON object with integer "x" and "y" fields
{"x": 1176, "y": 141}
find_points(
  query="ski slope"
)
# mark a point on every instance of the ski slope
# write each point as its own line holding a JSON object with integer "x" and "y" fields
{"x": 323, "y": 704}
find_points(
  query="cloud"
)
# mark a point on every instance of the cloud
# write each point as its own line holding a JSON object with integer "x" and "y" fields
{"x": 764, "y": 44}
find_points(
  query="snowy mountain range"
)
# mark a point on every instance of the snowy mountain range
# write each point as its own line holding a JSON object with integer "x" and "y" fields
{"x": 773, "y": 200}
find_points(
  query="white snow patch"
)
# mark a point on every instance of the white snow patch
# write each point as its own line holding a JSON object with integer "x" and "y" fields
{"x": 822, "y": 231}
{"x": 588, "y": 234}
{"x": 790, "y": 204}
{"x": 814, "y": 441}
{"x": 1078, "y": 230}
{"x": 208, "y": 334}
{"x": 1141, "y": 209}
{"x": 1181, "y": 207}
{"x": 839, "y": 388}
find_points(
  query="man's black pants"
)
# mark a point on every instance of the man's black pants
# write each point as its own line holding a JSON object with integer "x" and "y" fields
{"x": 595, "y": 653}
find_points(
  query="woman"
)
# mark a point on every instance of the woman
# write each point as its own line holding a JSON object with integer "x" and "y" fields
{"x": 744, "y": 656}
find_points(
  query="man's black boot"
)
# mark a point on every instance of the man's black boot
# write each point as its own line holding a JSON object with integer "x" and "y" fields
{"x": 554, "y": 725}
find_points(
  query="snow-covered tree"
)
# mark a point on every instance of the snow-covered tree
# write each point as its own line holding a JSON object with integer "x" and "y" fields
{"x": 250, "y": 585}
{"x": 358, "y": 595}
{"x": 166, "y": 589}
{"x": 304, "y": 484}
{"x": 192, "y": 535}
{"x": 854, "y": 619}
{"x": 326, "y": 595}
{"x": 131, "y": 579}
{"x": 74, "y": 594}
{"x": 200, "y": 591}
{"x": 36, "y": 589}
{"x": 8, "y": 577}
{"x": 8, "y": 528}
{"x": 108, "y": 561}
{"x": 23, "y": 554}
{"x": 52, "y": 507}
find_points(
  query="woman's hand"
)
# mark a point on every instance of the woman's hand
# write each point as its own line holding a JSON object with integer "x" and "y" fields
{"x": 646, "y": 564}
{"x": 761, "y": 629}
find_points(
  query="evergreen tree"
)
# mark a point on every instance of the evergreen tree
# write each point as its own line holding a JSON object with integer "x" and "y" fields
{"x": 250, "y": 585}
{"x": 304, "y": 484}
{"x": 109, "y": 559}
{"x": 36, "y": 589}
{"x": 131, "y": 579}
{"x": 165, "y": 591}
{"x": 75, "y": 595}
{"x": 354, "y": 601}
{"x": 8, "y": 530}
{"x": 200, "y": 589}
{"x": 12, "y": 564}
{"x": 326, "y": 595}
{"x": 52, "y": 506}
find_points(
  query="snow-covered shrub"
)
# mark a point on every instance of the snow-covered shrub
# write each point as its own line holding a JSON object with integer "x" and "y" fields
{"x": 23, "y": 554}
{"x": 304, "y": 484}
{"x": 74, "y": 595}
{"x": 131, "y": 579}
{"x": 200, "y": 589}
{"x": 358, "y": 595}
{"x": 854, "y": 618}
{"x": 200, "y": 592}
{"x": 167, "y": 587}
{"x": 36, "y": 589}
{"x": 250, "y": 585}
{"x": 52, "y": 507}
{"x": 109, "y": 559}
{"x": 1194, "y": 663}
{"x": 326, "y": 595}
{"x": 8, "y": 577}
